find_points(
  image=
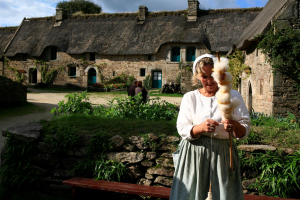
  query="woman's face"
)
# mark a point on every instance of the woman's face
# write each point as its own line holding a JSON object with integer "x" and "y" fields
{"x": 208, "y": 82}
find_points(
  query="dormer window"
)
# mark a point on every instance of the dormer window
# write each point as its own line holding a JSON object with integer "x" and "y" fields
{"x": 92, "y": 56}
{"x": 53, "y": 53}
{"x": 190, "y": 54}
{"x": 175, "y": 54}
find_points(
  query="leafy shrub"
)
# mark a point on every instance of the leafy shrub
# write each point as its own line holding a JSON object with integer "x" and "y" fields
{"x": 76, "y": 104}
{"x": 127, "y": 107}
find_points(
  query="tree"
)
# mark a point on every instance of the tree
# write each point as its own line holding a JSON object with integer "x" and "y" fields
{"x": 282, "y": 48}
{"x": 85, "y": 6}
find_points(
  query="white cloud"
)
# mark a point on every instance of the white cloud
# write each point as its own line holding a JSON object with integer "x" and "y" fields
{"x": 12, "y": 12}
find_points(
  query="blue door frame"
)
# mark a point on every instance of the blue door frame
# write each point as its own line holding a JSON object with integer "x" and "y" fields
{"x": 156, "y": 79}
{"x": 92, "y": 76}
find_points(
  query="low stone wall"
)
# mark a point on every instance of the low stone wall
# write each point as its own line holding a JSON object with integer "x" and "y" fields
{"x": 11, "y": 92}
{"x": 147, "y": 163}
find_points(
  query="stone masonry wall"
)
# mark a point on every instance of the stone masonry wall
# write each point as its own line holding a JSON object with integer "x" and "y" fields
{"x": 110, "y": 66}
{"x": 260, "y": 80}
{"x": 147, "y": 163}
{"x": 11, "y": 92}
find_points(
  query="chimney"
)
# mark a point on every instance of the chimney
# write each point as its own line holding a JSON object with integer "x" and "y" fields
{"x": 143, "y": 10}
{"x": 60, "y": 13}
{"x": 193, "y": 6}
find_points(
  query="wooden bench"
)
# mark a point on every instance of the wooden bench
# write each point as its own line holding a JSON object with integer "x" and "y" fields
{"x": 127, "y": 188}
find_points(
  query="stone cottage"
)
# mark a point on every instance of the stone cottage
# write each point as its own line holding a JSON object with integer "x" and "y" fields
{"x": 261, "y": 89}
{"x": 100, "y": 46}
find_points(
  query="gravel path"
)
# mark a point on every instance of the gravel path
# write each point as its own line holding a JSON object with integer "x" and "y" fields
{"x": 50, "y": 99}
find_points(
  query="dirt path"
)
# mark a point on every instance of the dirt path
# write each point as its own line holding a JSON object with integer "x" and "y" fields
{"x": 50, "y": 99}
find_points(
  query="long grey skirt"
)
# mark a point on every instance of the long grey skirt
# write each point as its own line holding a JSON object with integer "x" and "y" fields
{"x": 197, "y": 163}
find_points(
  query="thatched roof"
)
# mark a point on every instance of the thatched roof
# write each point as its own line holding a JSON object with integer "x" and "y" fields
{"x": 6, "y": 33}
{"x": 260, "y": 24}
{"x": 113, "y": 35}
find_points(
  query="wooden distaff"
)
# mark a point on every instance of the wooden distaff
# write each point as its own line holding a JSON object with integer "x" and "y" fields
{"x": 229, "y": 133}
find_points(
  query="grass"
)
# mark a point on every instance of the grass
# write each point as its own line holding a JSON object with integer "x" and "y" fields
{"x": 83, "y": 124}
{"x": 24, "y": 108}
{"x": 274, "y": 136}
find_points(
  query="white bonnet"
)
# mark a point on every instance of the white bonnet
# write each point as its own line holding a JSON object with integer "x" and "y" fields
{"x": 199, "y": 58}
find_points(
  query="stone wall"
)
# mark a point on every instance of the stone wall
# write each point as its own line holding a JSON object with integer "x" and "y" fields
{"x": 147, "y": 163}
{"x": 257, "y": 82}
{"x": 11, "y": 92}
{"x": 109, "y": 66}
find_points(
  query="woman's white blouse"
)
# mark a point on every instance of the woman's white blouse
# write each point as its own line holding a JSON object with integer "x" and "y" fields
{"x": 196, "y": 108}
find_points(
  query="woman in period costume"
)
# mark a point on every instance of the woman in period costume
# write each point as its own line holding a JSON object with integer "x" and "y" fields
{"x": 203, "y": 158}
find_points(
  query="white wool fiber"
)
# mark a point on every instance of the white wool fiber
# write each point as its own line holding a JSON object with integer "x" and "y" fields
{"x": 217, "y": 76}
{"x": 223, "y": 107}
{"x": 223, "y": 97}
{"x": 226, "y": 116}
{"x": 228, "y": 77}
{"x": 222, "y": 65}
{"x": 225, "y": 88}
{"x": 235, "y": 102}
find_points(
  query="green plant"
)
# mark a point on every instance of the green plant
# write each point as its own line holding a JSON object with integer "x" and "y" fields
{"x": 127, "y": 107}
{"x": 100, "y": 68}
{"x": 280, "y": 174}
{"x": 178, "y": 78}
{"x": 19, "y": 76}
{"x": 282, "y": 48}
{"x": 109, "y": 170}
{"x": 62, "y": 138}
{"x": 17, "y": 170}
{"x": 47, "y": 76}
{"x": 100, "y": 143}
{"x": 236, "y": 67}
{"x": 76, "y": 103}
{"x": 147, "y": 83}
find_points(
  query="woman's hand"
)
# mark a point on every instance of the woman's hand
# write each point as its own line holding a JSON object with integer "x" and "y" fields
{"x": 208, "y": 126}
{"x": 229, "y": 125}
{"x": 235, "y": 127}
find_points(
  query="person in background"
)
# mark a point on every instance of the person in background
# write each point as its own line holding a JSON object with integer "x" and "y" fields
{"x": 131, "y": 89}
{"x": 141, "y": 89}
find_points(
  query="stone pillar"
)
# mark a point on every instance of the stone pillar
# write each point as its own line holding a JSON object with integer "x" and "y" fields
{"x": 143, "y": 10}
{"x": 60, "y": 13}
{"x": 193, "y": 6}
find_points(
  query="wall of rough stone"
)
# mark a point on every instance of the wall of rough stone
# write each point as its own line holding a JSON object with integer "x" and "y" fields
{"x": 260, "y": 80}
{"x": 11, "y": 92}
{"x": 110, "y": 66}
{"x": 147, "y": 163}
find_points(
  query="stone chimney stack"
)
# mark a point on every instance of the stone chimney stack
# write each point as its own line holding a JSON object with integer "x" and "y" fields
{"x": 193, "y": 6}
{"x": 60, "y": 13}
{"x": 143, "y": 10}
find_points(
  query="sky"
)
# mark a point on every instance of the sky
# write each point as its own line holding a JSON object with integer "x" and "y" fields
{"x": 12, "y": 12}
